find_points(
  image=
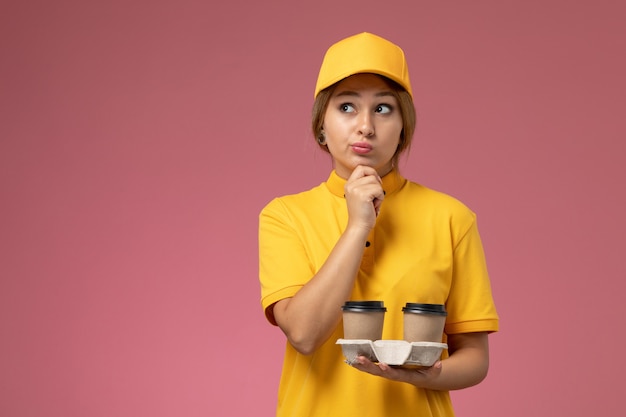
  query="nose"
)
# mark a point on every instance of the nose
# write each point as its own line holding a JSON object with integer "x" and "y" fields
{"x": 365, "y": 125}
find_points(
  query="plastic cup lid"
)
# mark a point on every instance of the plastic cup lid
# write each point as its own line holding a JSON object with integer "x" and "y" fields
{"x": 364, "y": 306}
{"x": 438, "y": 309}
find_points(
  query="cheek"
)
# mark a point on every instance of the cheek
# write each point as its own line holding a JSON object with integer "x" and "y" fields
{"x": 334, "y": 130}
{"x": 398, "y": 130}
{"x": 394, "y": 131}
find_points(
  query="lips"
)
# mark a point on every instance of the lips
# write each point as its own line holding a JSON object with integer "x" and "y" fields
{"x": 361, "y": 147}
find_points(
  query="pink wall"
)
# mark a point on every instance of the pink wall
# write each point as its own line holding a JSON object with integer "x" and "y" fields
{"x": 140, "y": 139}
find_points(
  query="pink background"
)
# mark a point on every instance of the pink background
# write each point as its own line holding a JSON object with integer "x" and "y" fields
{"x": 140, "y": 139}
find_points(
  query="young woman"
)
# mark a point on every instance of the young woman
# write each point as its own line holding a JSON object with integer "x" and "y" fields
{"x": 367, "y": 233}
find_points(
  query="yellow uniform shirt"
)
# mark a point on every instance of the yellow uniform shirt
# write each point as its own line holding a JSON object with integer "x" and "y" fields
{"x": 424, "y": 248}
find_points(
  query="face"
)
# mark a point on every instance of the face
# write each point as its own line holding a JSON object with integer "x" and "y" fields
{"x": 362, "y": 124}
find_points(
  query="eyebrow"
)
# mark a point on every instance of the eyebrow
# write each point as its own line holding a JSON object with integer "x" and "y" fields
{"x": 356, "y": 94}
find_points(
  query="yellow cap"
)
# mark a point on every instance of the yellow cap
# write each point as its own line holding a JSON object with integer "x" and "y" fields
{"x": 363, "y": 53}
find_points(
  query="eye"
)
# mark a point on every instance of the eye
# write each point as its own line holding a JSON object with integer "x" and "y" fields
{"x": 346, "y": 108}
{"x": 383, "y": 108}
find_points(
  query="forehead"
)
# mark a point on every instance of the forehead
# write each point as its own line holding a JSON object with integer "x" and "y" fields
{"x": 363, "y": 83}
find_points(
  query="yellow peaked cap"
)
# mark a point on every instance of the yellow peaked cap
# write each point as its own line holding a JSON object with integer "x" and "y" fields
{"x": 363, "y": 53}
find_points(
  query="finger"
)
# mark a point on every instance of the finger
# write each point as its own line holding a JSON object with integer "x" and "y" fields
{"x": 365, "y": 365}
{"x": 364, "y": 171}
{"x": 369, "y": 190}
{"x": 383, "y": 366}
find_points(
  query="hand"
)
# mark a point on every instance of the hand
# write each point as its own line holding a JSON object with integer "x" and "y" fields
{"x": 466, "y": 365}
{"x": 416, "y": 376}
{"x": 364, "y": 195}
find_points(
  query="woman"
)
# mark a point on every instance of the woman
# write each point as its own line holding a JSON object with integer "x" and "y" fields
{"x": 367, "y": 233}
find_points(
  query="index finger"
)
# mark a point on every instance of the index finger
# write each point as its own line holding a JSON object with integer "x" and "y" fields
{"x": 363, "y": 171}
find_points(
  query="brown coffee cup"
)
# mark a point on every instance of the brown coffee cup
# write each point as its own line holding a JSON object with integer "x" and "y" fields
{"x": 363, "y": 320}
{"x": 424, "y": 322}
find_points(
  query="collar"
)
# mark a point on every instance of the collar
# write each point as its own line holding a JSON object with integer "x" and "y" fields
{"x": 391, "y": 183}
